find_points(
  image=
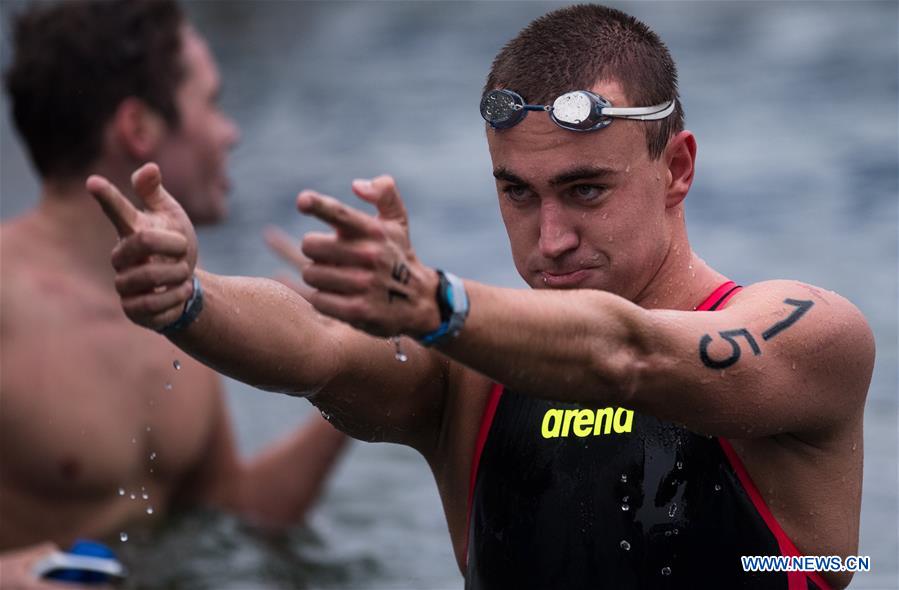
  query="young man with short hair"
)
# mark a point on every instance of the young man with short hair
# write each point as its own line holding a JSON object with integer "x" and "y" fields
{"x": 636, "y": 420}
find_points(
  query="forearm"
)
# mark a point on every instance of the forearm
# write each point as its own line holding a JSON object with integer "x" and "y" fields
{"x": 280, "y": 485}
{"x": 577, "y": 346}
{"x": 260, "y": 332}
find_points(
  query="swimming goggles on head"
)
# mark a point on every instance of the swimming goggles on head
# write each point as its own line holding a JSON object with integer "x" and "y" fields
{"x": 579, "y": 110}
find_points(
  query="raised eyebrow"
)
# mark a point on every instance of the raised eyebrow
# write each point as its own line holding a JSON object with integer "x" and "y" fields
{"x": 585, "y": 173}
{"x": 505, "y": 174}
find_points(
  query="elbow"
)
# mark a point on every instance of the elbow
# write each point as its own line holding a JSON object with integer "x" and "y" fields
{"x": 621, "y": 372}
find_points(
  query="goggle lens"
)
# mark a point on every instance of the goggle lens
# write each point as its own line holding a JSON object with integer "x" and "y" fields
{"x": 579, "y": 111}
{"x": 502, "y": 108}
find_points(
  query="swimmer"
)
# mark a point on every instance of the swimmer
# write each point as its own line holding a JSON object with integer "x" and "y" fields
{"x": 95, "y": 410}
{"x": 636, "y": 419}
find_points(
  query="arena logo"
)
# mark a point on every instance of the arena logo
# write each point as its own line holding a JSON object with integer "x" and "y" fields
{"x": 582, "y": 423}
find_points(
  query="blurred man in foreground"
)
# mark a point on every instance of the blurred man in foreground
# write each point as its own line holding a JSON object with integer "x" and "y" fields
{"x": 636, "y": 420}
{"x": 103, "y": 425}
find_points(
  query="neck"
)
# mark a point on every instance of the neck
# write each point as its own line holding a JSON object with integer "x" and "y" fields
{"x": 683, "y": 280}
{"x": 74, "y": 225}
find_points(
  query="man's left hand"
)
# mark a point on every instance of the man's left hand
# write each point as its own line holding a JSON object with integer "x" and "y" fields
{"x": 366, "y": 273}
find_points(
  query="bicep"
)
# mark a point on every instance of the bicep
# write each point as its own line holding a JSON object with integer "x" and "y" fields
{"x": 782, "y": 357}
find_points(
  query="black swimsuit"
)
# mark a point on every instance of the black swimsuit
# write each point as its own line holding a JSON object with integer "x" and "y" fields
{"x": 568, "y": 497}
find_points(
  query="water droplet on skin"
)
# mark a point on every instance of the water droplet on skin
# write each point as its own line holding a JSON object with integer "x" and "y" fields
{"x": 666, "y": 571}
{"x": 168, "y": 386}
{"x": 717, "y": 487}
{"x": 611, "y": 239}
{"x": 624, "y": 478}
{"x": 153, "y": 456}
{"x": 133, "y": 497}
{"x": 133, "y": 440}
{"x": 625, "y": 545}
{"x": 145, "y": 496}
{"x": 121, "y": 491}
{"x": 123, "y": 536}
{"x": 148, "y": 429}
{"x": 149, "y": 510}
{"x": 625, "y": 507}
{"x": 672, "y": 511}
{"x": 794, "y": 365}
{"x": 675, "y": 531}
{"x": 679, "y": 464}
{"x": 625, "y": 499}
{"x": 400, "y": 355}
{"x": 177, "y": 364}
{"x": 605, "y": 215}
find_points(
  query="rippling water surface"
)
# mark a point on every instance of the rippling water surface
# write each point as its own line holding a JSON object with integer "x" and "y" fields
{"x": 795, "y": 110}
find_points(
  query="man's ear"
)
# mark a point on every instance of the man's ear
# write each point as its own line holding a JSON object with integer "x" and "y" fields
{"x": 680, "y": 155}
{"x": 138, "y": 128}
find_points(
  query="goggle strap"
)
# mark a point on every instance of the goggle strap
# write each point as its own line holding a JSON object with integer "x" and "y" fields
{"x": 653, "y": 113}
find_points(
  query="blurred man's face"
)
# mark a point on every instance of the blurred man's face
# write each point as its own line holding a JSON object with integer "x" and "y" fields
{"x": 194, "y": 156}
{"x": 582, "y": 210}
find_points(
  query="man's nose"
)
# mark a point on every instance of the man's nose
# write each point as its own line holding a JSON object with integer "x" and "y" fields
{"x": 231, "y": 132}
{"x": 557, "y": 234}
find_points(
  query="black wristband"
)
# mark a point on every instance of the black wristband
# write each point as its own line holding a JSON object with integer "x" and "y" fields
{"x": 192, "y": 309}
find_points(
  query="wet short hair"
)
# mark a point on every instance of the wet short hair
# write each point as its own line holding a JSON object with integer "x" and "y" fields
{"x": 73, "y": 64}
{"x": 575, "y": 47}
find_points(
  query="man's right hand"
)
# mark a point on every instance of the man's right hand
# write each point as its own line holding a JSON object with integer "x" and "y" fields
{"x": 157, "y": 253}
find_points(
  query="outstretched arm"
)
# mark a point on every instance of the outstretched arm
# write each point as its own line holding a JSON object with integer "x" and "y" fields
{"x": 263, "y": 333}
{"x": 783, "y": 357}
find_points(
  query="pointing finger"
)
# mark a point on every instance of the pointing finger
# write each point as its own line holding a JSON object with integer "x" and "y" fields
{"x": 117, "y": 208}
{"x": 347, "y": 221}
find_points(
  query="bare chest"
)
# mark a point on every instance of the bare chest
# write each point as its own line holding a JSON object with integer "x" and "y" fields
{"x": 91, "y": 403}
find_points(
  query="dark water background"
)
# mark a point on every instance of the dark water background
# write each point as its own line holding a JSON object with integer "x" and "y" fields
{"x": 795, "y": 109}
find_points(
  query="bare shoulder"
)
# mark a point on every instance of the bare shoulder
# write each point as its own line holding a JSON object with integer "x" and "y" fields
{"x": 813, "y": 327}
{"x": 831, "y": 315}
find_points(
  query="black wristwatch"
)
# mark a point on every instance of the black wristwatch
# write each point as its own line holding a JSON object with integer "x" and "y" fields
{"x": 452, "y": 301}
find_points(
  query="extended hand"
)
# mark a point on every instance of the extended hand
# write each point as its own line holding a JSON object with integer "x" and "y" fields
{"x": 157, "y": 253}
{"x": 366, "y": 272}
